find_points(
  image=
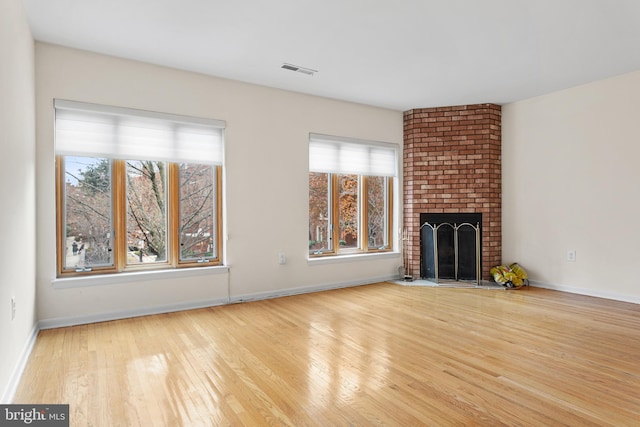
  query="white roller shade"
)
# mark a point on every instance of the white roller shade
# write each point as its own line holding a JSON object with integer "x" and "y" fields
{"x": 101, "y": 131}
{"x": 347, "y": 156}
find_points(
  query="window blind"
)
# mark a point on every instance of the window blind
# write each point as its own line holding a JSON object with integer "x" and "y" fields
{"x": 330, "y": 154}
{"x": 92, "y": 130}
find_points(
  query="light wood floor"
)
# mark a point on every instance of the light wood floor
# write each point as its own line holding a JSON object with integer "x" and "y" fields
{"x": 372, "y": 355}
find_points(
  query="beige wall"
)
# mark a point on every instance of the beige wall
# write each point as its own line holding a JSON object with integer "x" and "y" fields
{"x": 17, "y": 191}
{"x": 266, "y": 181}
{"x": 571, "y": 181}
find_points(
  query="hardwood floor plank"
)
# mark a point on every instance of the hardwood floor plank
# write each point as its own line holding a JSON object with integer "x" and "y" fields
{"x": 380, "y": 354}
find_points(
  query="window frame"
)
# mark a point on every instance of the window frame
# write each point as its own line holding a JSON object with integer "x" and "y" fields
{"x": 174, "y": 219}
{"x": 119, "y": 223}
{"x": 363, "y": 233}
{"x": 120, "y": 135}
{"x": 335, "y": 156}
{"x": 389, "y": 214}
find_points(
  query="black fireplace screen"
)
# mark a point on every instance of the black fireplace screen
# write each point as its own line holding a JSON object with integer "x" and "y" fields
{"x": 450, "y": 246}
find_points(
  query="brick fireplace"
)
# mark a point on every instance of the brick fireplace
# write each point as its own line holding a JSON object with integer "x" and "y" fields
{"x": 452, "y": 164}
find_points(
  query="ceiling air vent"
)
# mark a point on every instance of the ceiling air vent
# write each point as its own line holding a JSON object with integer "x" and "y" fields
{"x": 303, "y": 70}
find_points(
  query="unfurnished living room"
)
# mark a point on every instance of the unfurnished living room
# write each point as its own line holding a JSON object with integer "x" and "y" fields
{"x": 337, "y": 213}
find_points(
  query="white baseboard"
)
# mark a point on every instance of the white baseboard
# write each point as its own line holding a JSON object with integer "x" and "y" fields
{"x": 62, "y": 322}
{"x": 586, "y": 291}
{"x": 14, "y": 380}
{"x": 306, "y": 290}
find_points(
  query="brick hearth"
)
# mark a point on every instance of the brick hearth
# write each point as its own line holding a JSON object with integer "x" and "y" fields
{"x": 452, "y": 165}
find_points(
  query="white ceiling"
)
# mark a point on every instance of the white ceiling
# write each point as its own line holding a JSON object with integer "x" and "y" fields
{"x": 398, "y": 54}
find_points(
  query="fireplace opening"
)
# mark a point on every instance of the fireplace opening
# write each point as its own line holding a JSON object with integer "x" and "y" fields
{"x": 450, "y": 246}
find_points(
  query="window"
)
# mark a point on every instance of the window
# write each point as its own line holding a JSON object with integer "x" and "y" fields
{"x": 350, "y": 195}
{"x": 135, "y": 189}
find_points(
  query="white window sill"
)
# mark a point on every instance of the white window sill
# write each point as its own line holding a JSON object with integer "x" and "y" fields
{"x": 332, "y": 259}
{"x": 138, "y": 276}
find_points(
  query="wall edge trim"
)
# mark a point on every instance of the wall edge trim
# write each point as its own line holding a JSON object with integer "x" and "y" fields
{"x": 21, "y": 364}
{"x": 61, "y": 322}
{"x": 587, "y": 292}
{"x": 308, "y": 289}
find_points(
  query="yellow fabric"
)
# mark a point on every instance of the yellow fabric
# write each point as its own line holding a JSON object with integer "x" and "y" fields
{"x": 512, "y": 276}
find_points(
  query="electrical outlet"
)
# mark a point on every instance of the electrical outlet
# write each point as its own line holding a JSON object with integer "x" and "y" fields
{"x": 13, "y": 308}
{"x": 282, "y": 258}
{"x": 571, "y": 256}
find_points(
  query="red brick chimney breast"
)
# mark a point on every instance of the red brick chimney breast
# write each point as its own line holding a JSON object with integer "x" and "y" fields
{"x": 452, "y": 164}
